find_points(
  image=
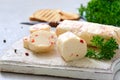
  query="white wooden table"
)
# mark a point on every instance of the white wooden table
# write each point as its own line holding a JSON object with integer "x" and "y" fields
{"x": 13, "y": 12}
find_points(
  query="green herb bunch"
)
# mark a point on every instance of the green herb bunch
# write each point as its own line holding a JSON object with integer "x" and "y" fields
{"x": 105, "y": 49}
{"x": 102, "y": 11}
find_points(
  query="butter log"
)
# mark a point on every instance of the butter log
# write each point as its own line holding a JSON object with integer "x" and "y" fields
{"x": 87, "y": 30}
{"x": 71, "y": 47}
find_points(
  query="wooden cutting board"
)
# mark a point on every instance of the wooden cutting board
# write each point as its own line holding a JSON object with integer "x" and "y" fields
{"x": 20, "y": 60}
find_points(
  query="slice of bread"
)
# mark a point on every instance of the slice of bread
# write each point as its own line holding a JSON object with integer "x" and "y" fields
{"x": 54, "y": 16}
{"x": 47, "y": 15}
{"x": 69, "y": 16}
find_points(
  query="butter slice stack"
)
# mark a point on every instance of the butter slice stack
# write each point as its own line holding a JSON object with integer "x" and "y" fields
{"x": 40, "y": 41}
{"x": 71, "y": 47}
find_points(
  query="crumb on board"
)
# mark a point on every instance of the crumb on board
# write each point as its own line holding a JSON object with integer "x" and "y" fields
{"x": 15, "y": 50}
{"x": 27, "y": 54}
{"x": 4, "y": 41}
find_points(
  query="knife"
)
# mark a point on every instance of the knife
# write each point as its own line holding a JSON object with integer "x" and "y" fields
{"x": 31, "y": 23}
{"x": 52, "y": 24}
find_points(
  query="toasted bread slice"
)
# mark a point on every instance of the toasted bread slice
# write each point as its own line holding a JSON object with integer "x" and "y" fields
{"x": 68, "y": 16}
{"x": 47, "y": 15}
{"x": 53, "y": 16}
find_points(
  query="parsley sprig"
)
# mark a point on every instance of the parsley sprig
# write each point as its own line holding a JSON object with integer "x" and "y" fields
{"x": 102, "y": 11}
{"x": 105, "y": 49}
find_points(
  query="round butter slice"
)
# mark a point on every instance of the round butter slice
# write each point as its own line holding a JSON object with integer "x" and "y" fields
{"x": 42, "y": 41}
{"x": 41, "y": 26}
{"x": 71, "y": 47}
